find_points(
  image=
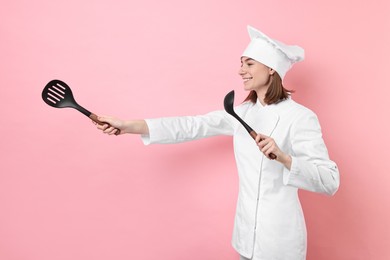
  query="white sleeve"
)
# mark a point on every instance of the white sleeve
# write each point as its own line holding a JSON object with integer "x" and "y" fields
{"x": 311, "y": 168}
{"x": 186, "y": 128}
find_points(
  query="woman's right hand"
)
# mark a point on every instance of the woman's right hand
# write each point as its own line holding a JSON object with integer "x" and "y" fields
{"x": 111, "y": 125}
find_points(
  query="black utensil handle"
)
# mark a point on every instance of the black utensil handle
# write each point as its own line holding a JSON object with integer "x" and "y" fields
{"x": 81, "y": 109}
{"x": 95, "y": 119}
{"x": 254, "y": 134}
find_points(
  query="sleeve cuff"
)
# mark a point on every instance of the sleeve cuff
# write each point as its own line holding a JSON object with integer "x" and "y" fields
{"x": 146, "y": 138}
{"x": 289, "y": 175}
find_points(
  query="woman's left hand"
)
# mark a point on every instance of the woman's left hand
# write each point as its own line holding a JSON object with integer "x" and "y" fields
{"x": 267, "y": 145}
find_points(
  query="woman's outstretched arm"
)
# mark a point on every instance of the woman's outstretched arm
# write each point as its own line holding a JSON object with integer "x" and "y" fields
{"x": 124, "y": 126}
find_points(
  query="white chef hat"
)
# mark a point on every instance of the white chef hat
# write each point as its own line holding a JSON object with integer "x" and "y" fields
{"x": 272, "y": 53}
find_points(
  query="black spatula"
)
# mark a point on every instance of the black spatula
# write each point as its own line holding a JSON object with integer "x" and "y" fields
{"x": 228, "y": 103}
{"x": 58, "y": 94}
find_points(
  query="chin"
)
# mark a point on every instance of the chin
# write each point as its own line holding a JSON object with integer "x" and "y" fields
{"x": 248, "y": 88}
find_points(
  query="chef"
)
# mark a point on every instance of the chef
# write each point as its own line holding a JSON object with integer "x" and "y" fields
{"x": 269, "y": 221}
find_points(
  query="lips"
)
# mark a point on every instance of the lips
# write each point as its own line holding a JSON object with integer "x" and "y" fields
{"x": 247, "y": 79}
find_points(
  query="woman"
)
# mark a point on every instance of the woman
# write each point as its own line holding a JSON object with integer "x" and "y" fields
{"x": 269, "y": 222}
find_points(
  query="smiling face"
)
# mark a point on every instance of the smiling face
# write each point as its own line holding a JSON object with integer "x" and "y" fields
{"x": 256, "y": 76}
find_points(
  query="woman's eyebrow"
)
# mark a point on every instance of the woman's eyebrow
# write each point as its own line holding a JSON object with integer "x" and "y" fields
{"x": 247, "y": 59}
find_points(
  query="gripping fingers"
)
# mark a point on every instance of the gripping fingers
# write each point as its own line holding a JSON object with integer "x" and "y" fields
{"x": 101, "y": 127}
{"x": 267, "y": 146}
{"x": 268, "y": 150}
{"x": 108, "y": 129}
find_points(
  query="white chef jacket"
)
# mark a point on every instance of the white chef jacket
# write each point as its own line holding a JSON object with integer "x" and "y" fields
{"x": 269, "y": 222}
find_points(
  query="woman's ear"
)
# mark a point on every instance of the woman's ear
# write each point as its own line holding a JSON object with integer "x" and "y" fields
{"x": 271, "y": 71}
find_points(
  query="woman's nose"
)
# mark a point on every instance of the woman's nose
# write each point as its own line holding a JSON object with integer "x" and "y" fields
{"x": 241, "y": 72}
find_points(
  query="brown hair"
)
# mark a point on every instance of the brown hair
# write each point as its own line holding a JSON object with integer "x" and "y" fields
{"x": 275, "y": 93}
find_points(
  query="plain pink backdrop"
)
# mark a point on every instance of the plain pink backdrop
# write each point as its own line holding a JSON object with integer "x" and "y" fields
{"x": 69, "y": 192}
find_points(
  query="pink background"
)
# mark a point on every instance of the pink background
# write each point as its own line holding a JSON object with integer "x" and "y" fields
{"x": 69, "y": 192}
